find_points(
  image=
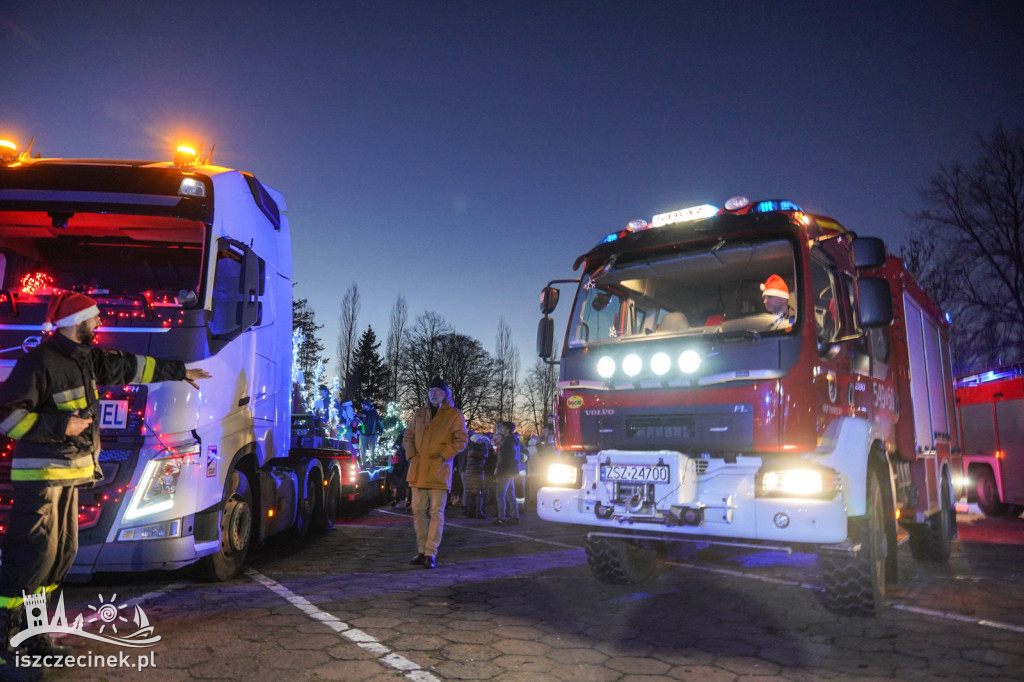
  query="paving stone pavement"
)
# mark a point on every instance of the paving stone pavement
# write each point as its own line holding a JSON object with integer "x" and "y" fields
{"x": 519, "y": 603}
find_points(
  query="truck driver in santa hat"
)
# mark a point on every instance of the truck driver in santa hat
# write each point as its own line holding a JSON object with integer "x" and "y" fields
{"x": 775, "y": 295}
{"x": 48, "y": 406}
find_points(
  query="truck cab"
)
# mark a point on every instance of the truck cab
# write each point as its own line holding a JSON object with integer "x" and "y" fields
{"x": 699, "y": 409}
{"x": 188, "y": 261}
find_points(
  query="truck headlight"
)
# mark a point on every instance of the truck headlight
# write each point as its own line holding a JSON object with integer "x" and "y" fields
{"x": 798, "y": 481}
{"x": 159, "y": 481}
{"x": 560, "y": 474}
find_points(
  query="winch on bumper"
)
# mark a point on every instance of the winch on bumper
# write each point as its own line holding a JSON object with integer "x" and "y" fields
{"x": 669, "y": 492}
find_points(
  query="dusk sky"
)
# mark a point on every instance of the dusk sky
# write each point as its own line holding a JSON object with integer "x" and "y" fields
{"x": 462, "y": 154}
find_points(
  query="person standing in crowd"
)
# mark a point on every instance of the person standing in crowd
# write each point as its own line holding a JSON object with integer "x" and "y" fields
{"x": 399, "y": 467}
{"x": 435, "y": 435}
{"x": 506, "y": 471}
{"x": 370, "y": 428}
{"x": 473, "y": 477}
{"x": 48, "y": 406}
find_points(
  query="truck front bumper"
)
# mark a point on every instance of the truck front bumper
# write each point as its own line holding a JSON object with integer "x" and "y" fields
{"x": 719, "y": 502}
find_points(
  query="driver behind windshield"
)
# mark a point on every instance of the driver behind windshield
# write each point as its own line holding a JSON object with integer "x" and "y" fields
{"x": 775, "y": 295}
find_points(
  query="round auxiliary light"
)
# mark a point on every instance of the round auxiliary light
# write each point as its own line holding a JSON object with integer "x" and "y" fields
{"x": 661, "y": 363}
{"x": 631, "y": 364}
{"x": 736, "y": 203}
{"x": 605, "y": 367}
{"x": 689, "y": 361}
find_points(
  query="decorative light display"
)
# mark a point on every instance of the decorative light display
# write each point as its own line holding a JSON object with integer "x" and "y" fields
{"x": 36, "y": 283}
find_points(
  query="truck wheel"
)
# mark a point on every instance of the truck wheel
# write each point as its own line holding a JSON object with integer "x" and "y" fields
{"x": 855, "y": 583}
{"x": 309, "y": 500}
{"x": 236, "y": 521}
{"x": 618, "y": 561}
{"x": 327, "y": 511}
{"x": 987, "y": 492}
{"x": 931, "y": 540}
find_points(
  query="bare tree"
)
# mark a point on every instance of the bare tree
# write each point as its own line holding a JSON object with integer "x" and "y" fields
{"x": 396, "y": 336}
{"x": 506, "y": 374}
{"x": 539, "y": 389}
{"x": 970, "y": 251}
{"x": 421, "y": 358}
{"x": 347, "y": 332}
{"x": 467, "y": 368}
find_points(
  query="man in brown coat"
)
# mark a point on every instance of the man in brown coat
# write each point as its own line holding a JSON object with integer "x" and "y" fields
{"x": 436, "y": 434}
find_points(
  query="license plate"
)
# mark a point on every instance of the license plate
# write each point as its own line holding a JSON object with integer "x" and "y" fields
{"x": 635, "y": 473}
{"x": 113, "y": 414}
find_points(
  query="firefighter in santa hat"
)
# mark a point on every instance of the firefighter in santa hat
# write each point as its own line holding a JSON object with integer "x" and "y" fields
{"x": 48, "y": 406}
{"x": 775, "y": 295}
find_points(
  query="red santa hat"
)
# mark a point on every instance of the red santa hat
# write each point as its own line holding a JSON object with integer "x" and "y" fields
{"x": 775, "y": 286}
{"x": 67, "y": 309}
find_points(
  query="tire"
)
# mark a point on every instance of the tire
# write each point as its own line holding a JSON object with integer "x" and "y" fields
{"x": 620, "y": 562}
{"x": 311, "y": 497}
{"x": 931, "y": 541}
{"x": 323, "y": 517}
{"x": 855, "y": 583}
{"x": 236, "y": 529}
{"x": 987, "y": 492}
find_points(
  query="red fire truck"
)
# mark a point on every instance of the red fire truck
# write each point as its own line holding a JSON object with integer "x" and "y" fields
{"x": 687, "y": 411}
{"x": 991, "y": 406}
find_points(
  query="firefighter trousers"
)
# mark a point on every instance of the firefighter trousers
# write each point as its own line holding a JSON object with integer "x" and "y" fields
{"x": 41, "y": 540}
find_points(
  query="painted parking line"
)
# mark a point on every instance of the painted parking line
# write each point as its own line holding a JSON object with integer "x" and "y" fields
{"x": 386, "y": 656}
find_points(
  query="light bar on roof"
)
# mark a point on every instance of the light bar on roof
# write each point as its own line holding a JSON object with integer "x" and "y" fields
{"x": 684, "y": 215}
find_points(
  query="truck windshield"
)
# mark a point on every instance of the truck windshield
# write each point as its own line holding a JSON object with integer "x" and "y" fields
{"x": 132, "y": 257}
{"x": 712, "y": 290}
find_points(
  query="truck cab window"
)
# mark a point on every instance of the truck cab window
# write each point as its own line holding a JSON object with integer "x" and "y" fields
{"x": 826, "y": 304}
{"x": 227, "y": 294}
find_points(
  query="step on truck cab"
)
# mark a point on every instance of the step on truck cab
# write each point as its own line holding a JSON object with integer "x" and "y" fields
{"x": 188, "y": 261}
{"x": 687, "y": 410}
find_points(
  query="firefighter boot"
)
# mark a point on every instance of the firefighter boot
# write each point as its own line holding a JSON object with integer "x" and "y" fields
{"x": 43, "y": 645}
{"x": 10, "y": 625}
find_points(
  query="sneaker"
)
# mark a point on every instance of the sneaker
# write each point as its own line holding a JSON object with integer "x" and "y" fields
{"x": 429, "y": 562}
{"x": 417, "y": 560}
{"x": 499, "y": 522}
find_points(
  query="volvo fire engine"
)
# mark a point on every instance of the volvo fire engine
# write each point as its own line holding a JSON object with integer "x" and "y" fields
{"x": 687, "y": 411}
{"x": 991, "y": 407}
{"x": 188, "y": 261}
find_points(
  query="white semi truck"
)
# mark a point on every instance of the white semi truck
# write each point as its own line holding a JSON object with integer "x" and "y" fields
{"x": 188, "y": 261}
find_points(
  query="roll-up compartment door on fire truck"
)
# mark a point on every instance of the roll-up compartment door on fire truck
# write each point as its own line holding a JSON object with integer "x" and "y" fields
{"x": 926, "y": 377}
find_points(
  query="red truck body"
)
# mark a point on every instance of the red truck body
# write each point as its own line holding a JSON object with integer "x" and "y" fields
{"x": 694, "y": 414}
{"x": 991, "y": 411}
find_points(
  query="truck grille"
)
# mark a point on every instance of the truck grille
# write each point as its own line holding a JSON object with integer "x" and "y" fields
{"x": 672, "y": 427}
{"x": 702, "y": 428}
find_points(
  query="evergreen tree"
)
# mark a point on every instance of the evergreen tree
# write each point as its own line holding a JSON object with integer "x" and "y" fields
{"x": 310, "y": 350}
{"x": 367, "y": 378}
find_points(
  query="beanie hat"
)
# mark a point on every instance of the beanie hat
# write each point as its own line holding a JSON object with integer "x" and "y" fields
{"x": 67, "y": 309}
{"x": 438, "y": 382}
{"x": 775, "y": 286}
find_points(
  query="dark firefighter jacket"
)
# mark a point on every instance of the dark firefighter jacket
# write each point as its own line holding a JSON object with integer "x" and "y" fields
{"x": 49, "y": 384}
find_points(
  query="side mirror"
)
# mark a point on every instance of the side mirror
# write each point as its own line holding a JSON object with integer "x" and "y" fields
{"x": 548, "y": 300}
{"x": 545, "y": 337}
{"x": 874, "y": 302}
{"x": 868, "y": 252}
